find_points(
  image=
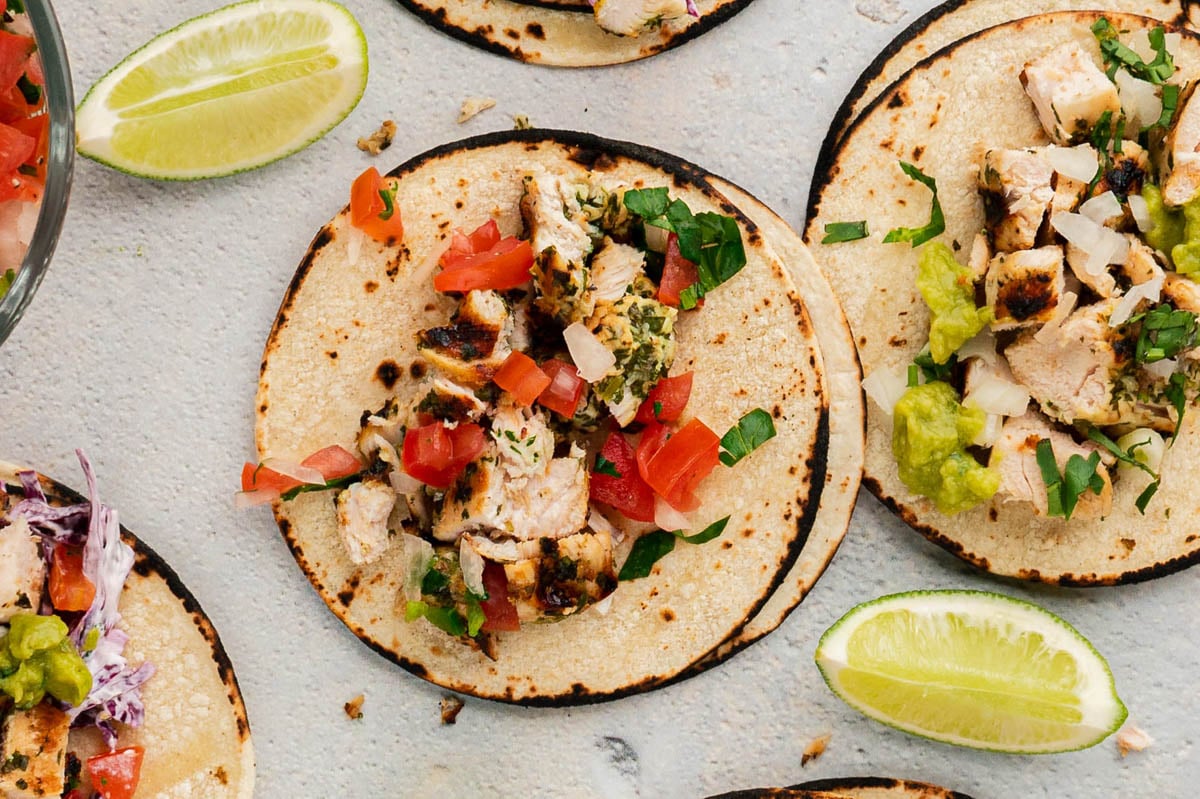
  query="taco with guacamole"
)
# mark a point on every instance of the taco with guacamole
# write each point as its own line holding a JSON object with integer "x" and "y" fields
{"x": 575, "y": 33}
{"x": 113, "y": 682}
{"x": 850, "y": 788}
{"x": 1029, "y": 343}
{"x": 550, "y": 422}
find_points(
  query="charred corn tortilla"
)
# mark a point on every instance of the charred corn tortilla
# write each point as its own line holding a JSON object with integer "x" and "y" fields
{"x": 560, "y": 33}
{"x": 344, "y": 342}
{"x": 196, "y": 734}
{"x": 940, "y": 115}
{"x": 851, "y": 788}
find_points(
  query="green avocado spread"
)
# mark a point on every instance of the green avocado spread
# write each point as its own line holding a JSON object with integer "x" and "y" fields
{"x": 37, "y": 658}
{"x": 949, "y": 291}
{"x": 929, "y": 437}
{"x": 1175, "y": 230}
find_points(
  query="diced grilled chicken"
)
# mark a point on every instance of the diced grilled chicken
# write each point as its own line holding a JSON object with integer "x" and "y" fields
{"x": 639, "y": 331}
{"x": 33, "y": 753}
{"x": 1126, "y": 172}
{"x": 1023, "y": 288}
{"x": 1017, "y": 188}
{"x": 1141, "y": 266}
{"x": 476, "y": 342}
{"x": 363, "y": 510}
{"x": 387, "y": 424}
{"x": 443, "y": 399}
{"x": 1181, "y": 152}
{"x": 22, "y": 570}
{"x": 1014, "y": 455}
{"x": 566, "y": 575}
{"x": 614, "y": 267}
{"x": 1068, "y": 195}
{"x": 1101, "y": 282}
{"x": 1182, "y": 292}
{"x": 560, "y": 234}
{"x": 633, "y": 17}
{"x": 1070, "y": 93}
{"x": 980, "y": 257}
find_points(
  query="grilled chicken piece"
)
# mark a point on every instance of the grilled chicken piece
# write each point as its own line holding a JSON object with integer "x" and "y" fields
{"x": 1126, "y": 172}
{"x": 476, "y": 342}
{"x": 633, "y": 17}
{"x": 1017, "y": 188}
{"x": 1070, "y": 93}
{"x": 1068, "y": 195}
{"x": 1014, "y": 455}
{"x": 363, "y": 510}
{"x": 387, "y": 424}
{"x": 1182, "y": 292}
{"x": 561, "y": 235}
{"x": 565, "y": 576}
{"x": 1141, "y": 266}
{"x": 1101, "y": 282}
{"x": 1023, "y": 288}
{"x": 22, "y": 570}
{"x": 1181, "y": 152}
{"x": 980, "y": 257}
{"x": 639, "y": 331}
{"x": 448, "y": 401}
{"x": 34, "y": 753}
{"x": 614, "y": 267}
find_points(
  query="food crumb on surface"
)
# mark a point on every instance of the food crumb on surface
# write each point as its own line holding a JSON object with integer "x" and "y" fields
{"x": 1132, "y": 738}
{"x": 473, "y": 106}
{"x": 521, "y": 122}
{"x": 815, "y": 749}
{"x": 450, "y": 705}
{"x": 354, "y": 707}
{"x": 380, "y": 140}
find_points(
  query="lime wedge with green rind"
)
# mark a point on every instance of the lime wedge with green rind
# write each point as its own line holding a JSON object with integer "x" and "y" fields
{"x": 228, "y": 91}
{"x": 972, "y": 668}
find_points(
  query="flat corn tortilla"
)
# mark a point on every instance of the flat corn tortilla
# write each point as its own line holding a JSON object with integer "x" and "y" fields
{"x": 561, "y": 33}
{"x": 850, "y": 788}
{"x": 344, "y": 342}
{"x": 940, "y": 116}
{"x": 196, "y": 733}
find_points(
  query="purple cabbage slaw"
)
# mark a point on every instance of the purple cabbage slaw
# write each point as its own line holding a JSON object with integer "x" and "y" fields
{"x": 116, "y": 686}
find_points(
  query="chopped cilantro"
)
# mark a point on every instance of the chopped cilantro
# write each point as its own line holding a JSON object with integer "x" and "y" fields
{"x": 932, "y": 369}
{"x": 1176, "y": 394}
{"x": 475, "y": 614}
{"x": 714, "y": 530}
{"x": 1063, "y": 490}
{"x": 340, "y": 482}
{"x": 1164, "y": 334}
{"x": 448, "y": 620}
{"x": 1119, "y": 56}
{"x": 1129, "y": 457}
{"x": 917, "y": 236}
{"x": 605, "y": 466}
{"x": 657, "y": 544}
{"x": 751, "y": 432}
{"x": 914, "y": 375}
{"x": 837, "y": 232}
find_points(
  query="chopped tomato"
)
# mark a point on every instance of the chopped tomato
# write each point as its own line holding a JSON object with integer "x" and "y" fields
{"x": 565, "y": 390}
{"x": 484, "y": 238}
{"x": 13, "y": 106}
{"x": 503, "y": 267}
{"x": 684, "y": 460}
{"x": 653, "y": 438}
{"x": 15, "y": 148}
{"x": 500, "y": 612}
{"x": 69, "y": 588}
{"x": 14, "y": 58}
{"x": 16, "y": 186}
{"x": 678, "y": 274}
{"x": 373, "y": 208}
{"x": 520, "y": 376}
{"x": 115, "y": 775}
{"x": 332, "y": 462}
{"x": 666, "y": 400}
{"x": 627, "y": 492}
{"x": 436, "y": 454}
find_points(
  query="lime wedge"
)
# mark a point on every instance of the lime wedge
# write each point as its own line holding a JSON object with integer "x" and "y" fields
{"x": 228, "y": 91}
{"x": 972, "y": 668}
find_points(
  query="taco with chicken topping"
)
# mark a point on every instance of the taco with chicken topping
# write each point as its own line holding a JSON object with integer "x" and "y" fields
{"x": 1009, "y": 222}
{"x": 550, "y": 422}
{"x": 575, "y": 33}
{"x": 113, "y": 681}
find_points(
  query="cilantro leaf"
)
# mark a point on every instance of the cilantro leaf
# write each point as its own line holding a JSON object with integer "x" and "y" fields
{"x": 340, "y": 482}
{"x": 836, "y": 232}
{"x": 714, "y": 530}
{"x": 1051, "y": 477}
{"x": 1177, "y": 395}
{"x": 647, "y": 550}
{"x": 1063, "y": 490}
{"x": 934, "y": 370}
{"x": 475, "y": 614}
{"x": 447, "y": 620}
{"x": 937, "y": 220}
{"x": 605, "y": 466}
{"x": 434, "y": 582}
{"x": 649, "y": 204}
{"x": 751, "y": 432}
{"x": 1123, "y": 456}
{"x": 1170, "y": 102}
{"x": 1144, "y": 498}
{"x": 1165, "y": 332}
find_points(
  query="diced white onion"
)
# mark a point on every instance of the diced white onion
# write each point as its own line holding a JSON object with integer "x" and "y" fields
{"x": 304, "y": 474}
{"x": 1141, "y": 212}
{"x": 1078, "y": 163}
{"x": 668, "y": 518}
{"x": 1102, "y": 208}
{"x": 991, "y": 393}
{"x": 981, "y": 346}
{"x": 886, "y": 386}
{"x": 403, "y": 483}
{"x": 591, "y": 357}
{"x": 600, "y": 524}
{"x": 1066, "y": 304}
{"x": 1139, "y": 100}
{"x": 1102, "y": 245}
{"x": 415, "y": 556}
{"x": 1149, "y": 291}
{"x": 604, "y": 605}
{"x": 1162, "y": 369}
{"x": 471, "y": 563}
{"x": 250, "y": 499}
{"x": 354, "y": 242}
{"x": 656, "y": 238}
{"x": 990, "y": 433}
{"x": 1150, "y": 453}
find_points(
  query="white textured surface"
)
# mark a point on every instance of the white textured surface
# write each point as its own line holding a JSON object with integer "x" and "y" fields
{"x": 143, "y": 347}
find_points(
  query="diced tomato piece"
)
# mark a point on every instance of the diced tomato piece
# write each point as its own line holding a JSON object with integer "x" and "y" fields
{"x": 565, "y": 390}
{"x": 436, "y": 455}
{"x": 13, "y": 106}
{"x": 503, "y": 267}
{"x": 499, "y": 611}
{"x": 15, "y": 148}
{"x": 15, "y": 186}
{"x": 115, "y": 775}
{"x": 69, "y": 588}
{"x": 14, "y": 57}
{"x": 653, "y": 438}
{"x": 332, "y": 462}
{"x": 484, "y": 238}
{"x": 678, "y": 274}
{"x": 666, "y": 400}
{"x": 38, "y": 128}
{"x": 373, "y": 208}
{"x": 684, "y": 460}
{"x": 627, "y": 493}
{"x": 520, "y": 376}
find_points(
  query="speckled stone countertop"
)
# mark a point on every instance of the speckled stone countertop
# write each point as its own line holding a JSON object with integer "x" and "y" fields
{"x": 143, "y": 347}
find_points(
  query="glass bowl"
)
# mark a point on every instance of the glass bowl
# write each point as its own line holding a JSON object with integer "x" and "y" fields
{"x": 60, "y": 104}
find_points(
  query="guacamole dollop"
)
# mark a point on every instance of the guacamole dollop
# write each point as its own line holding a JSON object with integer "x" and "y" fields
{"x": 930, "y": 432}
{"x": 36, "y": 659}
{"x": 949, "y": 291}
{"x": 1176, "y": 231}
